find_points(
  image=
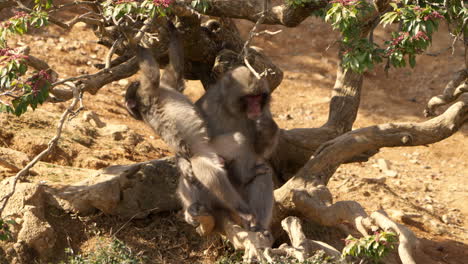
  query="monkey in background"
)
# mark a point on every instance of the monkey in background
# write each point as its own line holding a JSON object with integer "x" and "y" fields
{"x": 204, "y": 183}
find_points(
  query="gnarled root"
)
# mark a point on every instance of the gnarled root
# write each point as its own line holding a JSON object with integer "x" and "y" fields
{"x": 327, "y": 214}
{"x": 345, "y": 211}
{"x": 408, "y": 241}
{"x": 302, "y": 248}
{"x": 253, "y": 243}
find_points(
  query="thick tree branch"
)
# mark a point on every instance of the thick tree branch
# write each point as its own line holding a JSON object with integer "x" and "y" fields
{"x": 334, "y": 152}
{"x": 282, "y": 14}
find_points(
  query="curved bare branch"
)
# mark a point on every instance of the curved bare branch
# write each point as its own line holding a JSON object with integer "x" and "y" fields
{"x": 457, "y": 86}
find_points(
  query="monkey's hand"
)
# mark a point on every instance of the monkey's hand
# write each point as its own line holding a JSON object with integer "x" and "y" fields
{"x": 262, "y": 168}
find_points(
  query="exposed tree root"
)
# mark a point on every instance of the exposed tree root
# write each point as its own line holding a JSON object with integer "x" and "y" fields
{"x": 408, "y": 241}
{"x": 253, "y": 243}
{"x": 353, "y": 213}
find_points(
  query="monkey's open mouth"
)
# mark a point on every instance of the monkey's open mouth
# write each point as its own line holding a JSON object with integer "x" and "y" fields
{"x": 254, "y": 106}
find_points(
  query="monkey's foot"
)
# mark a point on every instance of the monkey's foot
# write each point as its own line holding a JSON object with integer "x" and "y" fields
{"x": 198, "y": 216}
{"x": 206, "y": 226}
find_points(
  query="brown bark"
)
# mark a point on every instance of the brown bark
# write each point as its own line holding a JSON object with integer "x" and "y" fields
{"x": 277, "y": 14}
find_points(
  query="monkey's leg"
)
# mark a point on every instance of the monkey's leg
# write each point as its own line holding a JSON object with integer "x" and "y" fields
{"x": 197, "y": 206}
{"x": 214, "y": 178}
{"x": 260, "y": 197}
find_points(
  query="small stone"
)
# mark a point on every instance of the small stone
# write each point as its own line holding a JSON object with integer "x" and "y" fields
{"x": 427, "y": 167}
{"x": 366, "y": 193}
{"x": 123, "y": 82}
{"x": 384, "y": 165}
{"x": 93, "y": 119}
{"x": 374, "y": 180}
{"x": 117, "y": 136}
{"x": 391, "y": 173}
{"x": 61, "y": 39}
{"x": 414, "y": 161}
{"x": 429, "y": 207}
{"x": 437, "y": 227}
{"x": 448, "y": 219}
{"x": 427, "y": 187}
{"x": 80, "y": 25}
{"x": 93, "y": 56}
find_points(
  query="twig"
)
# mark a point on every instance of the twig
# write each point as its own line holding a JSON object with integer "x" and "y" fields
{"x": 131, "y": 218}
{"x": 245, "y": 49}
{"x": 111, "y": 52}
{"x": 51, "y": 145}
{"x": 267, "y": 32}
{"x": 75, "y": 78}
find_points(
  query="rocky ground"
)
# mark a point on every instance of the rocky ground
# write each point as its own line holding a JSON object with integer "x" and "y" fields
{"x": 426, "y": 187}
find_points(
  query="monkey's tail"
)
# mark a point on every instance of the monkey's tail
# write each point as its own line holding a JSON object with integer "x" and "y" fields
{"x": 149, "y": 68}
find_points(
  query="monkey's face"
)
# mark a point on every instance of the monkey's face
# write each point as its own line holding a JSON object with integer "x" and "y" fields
{"x": 247, "y": 96}
{"x": 253, "y": 105}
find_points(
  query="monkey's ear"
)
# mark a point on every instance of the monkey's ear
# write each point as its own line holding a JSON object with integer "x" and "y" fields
{"x": 132, "y": 109}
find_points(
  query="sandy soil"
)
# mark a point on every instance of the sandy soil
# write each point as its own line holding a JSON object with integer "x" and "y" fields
{"x": 431, "y": 180}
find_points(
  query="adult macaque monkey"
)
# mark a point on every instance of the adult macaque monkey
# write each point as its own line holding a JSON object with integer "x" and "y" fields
{"x": 204, "y": 184}
{"x": 237, "y": 110}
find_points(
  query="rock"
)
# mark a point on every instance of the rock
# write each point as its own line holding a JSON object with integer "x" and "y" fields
{"x": 123, "y": 82}
{"x": 128, "y": 191}
{"x": 80, "y": 25}
{"x": 133, "y": 138}
{"x": 414, "y": 161}
{"x": 428, "y": 187}
{"x": 437, "y": 228}
{"x": 36, "y": 231}
{"x": 117, "y": 132}
{"x": 449, "y": 219}
{"x": 93, "y": 163}
{"x": 13, "y": 160}
{"x": 93, "y": 119}
{"x": 374, "y": 180}
{"x": 384, "y": 165}
{"x": 391, "y": 173}
{"x": 285, "y": 117}
{"x": 28, "y": 203}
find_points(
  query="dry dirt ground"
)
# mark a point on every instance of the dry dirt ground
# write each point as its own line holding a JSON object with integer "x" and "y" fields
{"x": 431, "y": 180}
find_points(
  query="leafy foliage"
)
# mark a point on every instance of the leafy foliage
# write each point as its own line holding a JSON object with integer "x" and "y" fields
{"x": 5, "y": 232}
{"x": 373, "y": 247}
{"x": 31, "y": 92}
{"x": 117, "y": 10}
{"x": 13, "y": 68}
{"x": 201, "y": 5}
{"x": 114, "y": 253}
{"x": 417, "y": 25}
